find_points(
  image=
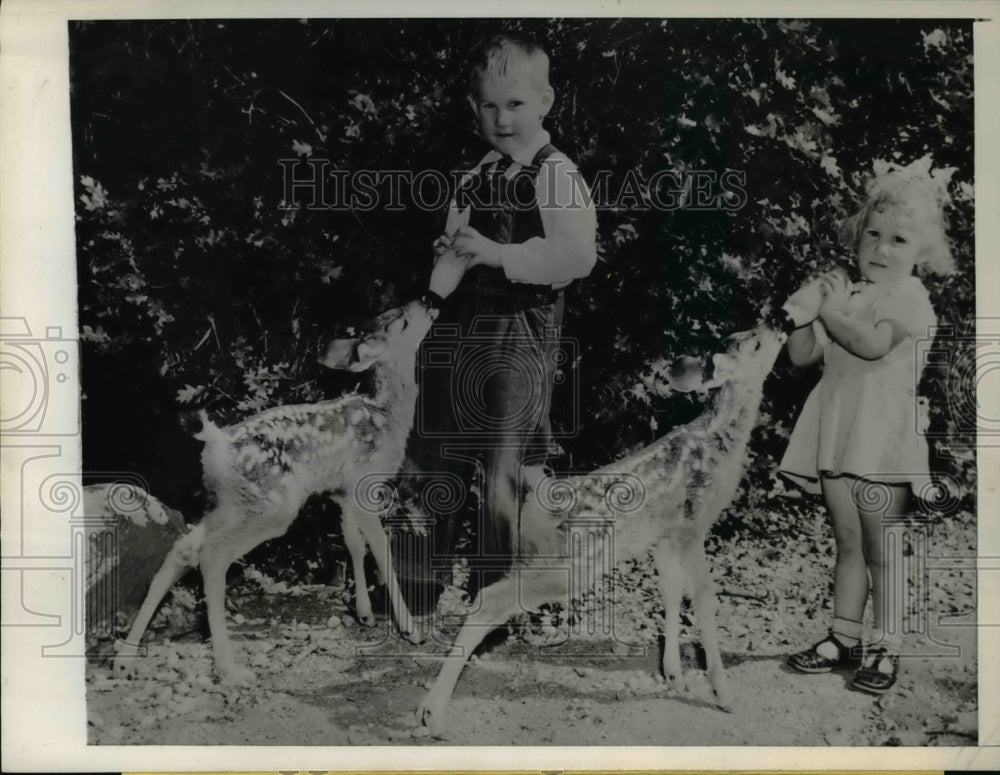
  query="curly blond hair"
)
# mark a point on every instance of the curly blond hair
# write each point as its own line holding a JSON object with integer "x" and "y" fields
{"x": 913, "y": 192}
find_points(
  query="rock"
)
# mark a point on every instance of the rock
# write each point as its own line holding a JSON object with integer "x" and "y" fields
{"x": 145, "y": 530}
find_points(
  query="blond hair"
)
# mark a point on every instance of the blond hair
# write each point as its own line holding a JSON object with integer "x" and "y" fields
{"x": 911, "y": 191}
{"x": 505, "y": 54}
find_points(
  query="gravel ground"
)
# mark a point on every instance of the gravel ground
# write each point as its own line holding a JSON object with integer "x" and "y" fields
{"x": 324, "y": 680}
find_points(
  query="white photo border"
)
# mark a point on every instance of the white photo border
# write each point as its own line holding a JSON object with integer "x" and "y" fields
{"x": 44, "y": 716}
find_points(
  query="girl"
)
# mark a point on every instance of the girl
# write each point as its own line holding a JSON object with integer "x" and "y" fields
{"x": 855, "y": 441}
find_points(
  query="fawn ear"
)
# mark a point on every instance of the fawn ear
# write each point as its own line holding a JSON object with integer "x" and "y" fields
{"x": 339, "y": 353}
{"x": 721, "y": 372}
{"x": 366, "y": 353}
{"x": 686, "y": 374}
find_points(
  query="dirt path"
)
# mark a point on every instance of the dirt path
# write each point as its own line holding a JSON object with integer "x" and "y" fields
{"x": 323, "y": 680}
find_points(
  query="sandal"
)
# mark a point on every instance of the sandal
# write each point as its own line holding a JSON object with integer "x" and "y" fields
{"x": 811, "y": 661}
{"x": 878, "y": 672}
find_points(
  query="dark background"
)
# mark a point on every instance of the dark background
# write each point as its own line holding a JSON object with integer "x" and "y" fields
{"x": 196, "y": 289}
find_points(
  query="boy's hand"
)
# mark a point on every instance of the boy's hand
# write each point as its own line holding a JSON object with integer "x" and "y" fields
{"x": 442, "y": 245}
{"x": 471, "y": 244}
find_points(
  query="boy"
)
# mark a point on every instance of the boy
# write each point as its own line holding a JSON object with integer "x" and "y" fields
{"x": 520, "y": 229}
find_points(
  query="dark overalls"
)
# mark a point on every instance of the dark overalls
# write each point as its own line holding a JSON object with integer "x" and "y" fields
{"x": 500, "y": 390}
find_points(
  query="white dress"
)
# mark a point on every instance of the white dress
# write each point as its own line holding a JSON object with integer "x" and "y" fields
{"x": 861, "y": 419}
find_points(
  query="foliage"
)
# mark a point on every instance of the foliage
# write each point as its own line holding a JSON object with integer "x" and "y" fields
{"x": 200, "y": 285}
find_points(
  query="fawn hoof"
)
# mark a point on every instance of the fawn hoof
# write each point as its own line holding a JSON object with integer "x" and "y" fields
{"x": 414, "y": 636}
{"x": 430, "y": 716}
{"x": 126, "y": 662}
{"x": 366, "y": 620}
{"x": 676, "y": 683}
{"x": 235, "y": 675}
{"x": 122, "y": 667}
{"x": 724, "y": 700}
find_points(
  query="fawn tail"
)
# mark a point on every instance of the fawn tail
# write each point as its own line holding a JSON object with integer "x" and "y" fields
{"x": 217, "y": 456}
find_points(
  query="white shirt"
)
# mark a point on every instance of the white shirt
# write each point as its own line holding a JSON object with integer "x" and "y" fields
{"x": 569, "y": 248}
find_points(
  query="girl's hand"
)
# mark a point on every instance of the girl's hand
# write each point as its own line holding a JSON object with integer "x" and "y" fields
{"x": 471, "y": 244}
{"x": 836, "y": 290}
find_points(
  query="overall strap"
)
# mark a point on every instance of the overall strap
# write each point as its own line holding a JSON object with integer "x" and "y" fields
{"x": 543, "y": 153}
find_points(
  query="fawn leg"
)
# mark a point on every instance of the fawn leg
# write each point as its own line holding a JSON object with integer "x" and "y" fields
{"x": 181, "y": 558}
{"x": 216, "y": 558}
{"x": 524, "y": 590}
{"x": 670, "y": 572}
{"x": 494, "y": 605}
{"x": 706, "y": 604}
{"x": 355, "y": 542}
{"x": 227, "y": 539}
{"x": 378, "y": 542}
